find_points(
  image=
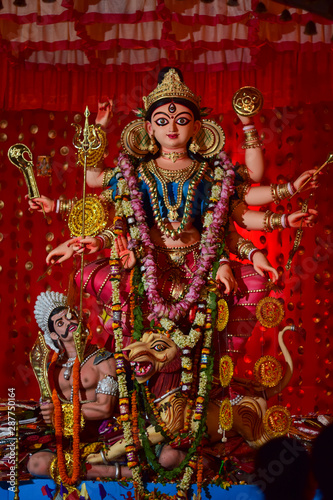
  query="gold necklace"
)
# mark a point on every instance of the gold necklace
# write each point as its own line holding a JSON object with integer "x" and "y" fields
{"x": 174, "y": 156}
{"x": 174, "y": 175}
{"x": 183, "y": 175}
{"x": 150, "y": 180}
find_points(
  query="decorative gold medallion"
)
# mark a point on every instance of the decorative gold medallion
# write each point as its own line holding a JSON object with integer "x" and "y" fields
{"x": 135, "y": 140}
{"x": 268, "y": 371}
{"x": 222, "y": 315}
{"x": 225, "y": 415}
{"x": 95, "y": 217}
{"x": 269, "y": 312}
{"x": 247, "y": 101}
{"x": 68, "y": 418}
{"x": 277, "y": 421}
{"x": 226, "y": 370}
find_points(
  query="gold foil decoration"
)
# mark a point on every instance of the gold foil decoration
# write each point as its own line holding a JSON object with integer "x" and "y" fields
{"x": 29, "y": 265}
{"x": 43, "y": 166}
{"x": 268, "y": 371}
{"x": 49, "y": 236}
{"x": 2, "y": 204}
{"x": 3, "y": 137}
{"x": 68, "y": 418}
{"x": 247, "y": 101}
{"x": 225, "y": 415}
{"x": 38, "y": 358}
{"x": 222, "y": 315}
{"x": 277, "y": 421}
{"x": 226, "y": 370}
{"x": 52, "y": 134}
{"x": 95, "y": 219}
{"x": 64, "y": 150}
{"x": 3, "y": 124}
{"x": 269, "y": 312}
{"x": 34, "y": 129}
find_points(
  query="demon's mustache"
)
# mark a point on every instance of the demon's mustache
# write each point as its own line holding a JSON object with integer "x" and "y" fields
{"x": 65, "y": 335}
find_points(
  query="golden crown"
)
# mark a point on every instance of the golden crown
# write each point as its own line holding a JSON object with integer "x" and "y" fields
{"x": 171, "y": 87}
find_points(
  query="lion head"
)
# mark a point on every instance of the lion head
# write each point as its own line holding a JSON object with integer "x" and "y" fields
{"x": 153, "y": 353}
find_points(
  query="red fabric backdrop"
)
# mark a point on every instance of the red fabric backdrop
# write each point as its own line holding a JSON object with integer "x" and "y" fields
{"x": 295, "y": 138}
{"x": 56, "y": 58}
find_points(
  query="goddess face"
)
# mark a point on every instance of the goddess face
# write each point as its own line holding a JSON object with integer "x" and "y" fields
{"x": 173, "y": 125}
{"x": 63, "y": 327}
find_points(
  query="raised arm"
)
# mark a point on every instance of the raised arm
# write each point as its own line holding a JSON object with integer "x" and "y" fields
{"x": 254, "y": 156}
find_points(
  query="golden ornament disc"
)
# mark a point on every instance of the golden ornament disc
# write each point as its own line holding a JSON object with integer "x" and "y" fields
{"x": 247, "y": 101}
{"x": 3, "y": 124}
{"x": 135, "y": 140}
{"x": 277, "y": 421}
{"x": 222, "y": 315}
{"x": 96, "y": 216}
{"x": 269, "y": 312}
{"x": 226, "y": 418}
{"x": 226, "y": 370}
{"x": 268, "y": 371}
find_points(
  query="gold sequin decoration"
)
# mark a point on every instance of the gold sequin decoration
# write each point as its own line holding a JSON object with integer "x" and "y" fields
{"x": 34, "y": 129}
{"x": 225, "y": 415}
{"x": 49, "y": 236}
{"x": 222, "y": 315}
{"x": 68, "y": 418}
{"x": 3, "y": 137}
{"x": 64, "y": 151}
{"x": 269, "y": 312}
{"x": 226, "y": 370}
{"x": 277, "y": 421}
{"x": 268, "y": 371}
{"x": 52, "y": 134}
{"x": 96, "y": 216}
{"x": 29, "y": 265}
{"x": 3, "y": 124}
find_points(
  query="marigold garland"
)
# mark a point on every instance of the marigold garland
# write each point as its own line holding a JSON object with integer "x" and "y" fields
{"x": 66, "y": 479}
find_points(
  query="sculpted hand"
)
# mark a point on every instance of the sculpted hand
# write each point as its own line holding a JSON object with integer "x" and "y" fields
{"x": 104, "y": 113}
{"x": 262, "y": 265}
{"x": 63, "y": 251}
{"x": 94, "y": 459}
{"x": 86, "y": 245}
{"x": 225, "y": 276}
{"x": 35, "y": 204}
{"x": 313, "y": 184}
{"x": 47, "y": 410}
{"x": 126, "y": 256}
{"x": 309, "y": 218}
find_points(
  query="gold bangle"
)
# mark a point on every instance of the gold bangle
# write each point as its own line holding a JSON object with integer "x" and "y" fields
{"x": 267, "y": 225}
{"x": 274, "y": 193}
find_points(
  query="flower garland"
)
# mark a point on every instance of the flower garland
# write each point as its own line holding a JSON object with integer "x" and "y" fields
{"x": 214, "y": 219}
{"x": 66, "y": 479}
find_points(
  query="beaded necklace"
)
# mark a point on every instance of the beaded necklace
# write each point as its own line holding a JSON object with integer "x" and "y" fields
{"x": 148, "y": 172}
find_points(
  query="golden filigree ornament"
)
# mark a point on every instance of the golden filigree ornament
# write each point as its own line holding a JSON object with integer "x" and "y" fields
{"x": 226, "y": 370}
{"x": 247, "y": 101}
{"x": 226, "y": 418}
{"x": 95, "y": 216}
{"x": 222, "y": 315}
{"x": 277, "y": 421}
{"x": 268, "y": 371}
{"x": 68, "y": 419}
{"x": 135, "y": 140}
{"x": 96, "y": 154}
{"x": 269, "y": 312}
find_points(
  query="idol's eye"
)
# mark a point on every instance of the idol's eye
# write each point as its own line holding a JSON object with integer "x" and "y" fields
{"x": 159, "y": 347}
{"x": 60, "y": 322}
{"x": 161, "y": 122}
{"x": 182, "y": 120}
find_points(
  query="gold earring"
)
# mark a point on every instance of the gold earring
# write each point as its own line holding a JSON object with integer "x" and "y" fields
{"x": 194, "y": 146}
{"x": 152, "y": 148}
